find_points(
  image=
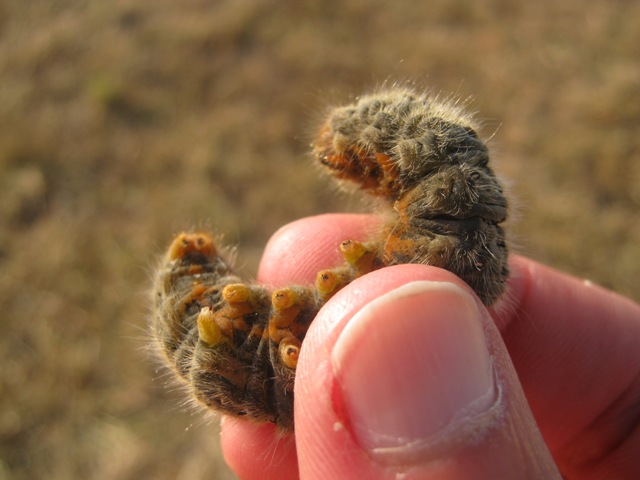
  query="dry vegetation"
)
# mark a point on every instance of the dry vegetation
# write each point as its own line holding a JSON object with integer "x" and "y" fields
{"x": 122, "y": 122}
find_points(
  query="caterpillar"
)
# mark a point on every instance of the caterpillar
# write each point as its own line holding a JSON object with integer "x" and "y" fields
{"x": 236, "y": 344}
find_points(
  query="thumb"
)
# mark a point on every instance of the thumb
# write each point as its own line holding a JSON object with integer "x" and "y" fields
{"x": 404, "y": 375}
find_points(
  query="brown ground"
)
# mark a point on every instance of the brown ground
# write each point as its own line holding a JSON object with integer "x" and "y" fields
{"x": 122, "y": 122}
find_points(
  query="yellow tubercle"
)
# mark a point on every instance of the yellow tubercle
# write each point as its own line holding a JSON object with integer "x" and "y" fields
{"x": 284, "y": 298}
{"x": 236, "y": 293}
{"x": 286, "y": 307}
{"x": 208, "y": 329}
{"x": 328, "y": 282}
{"x": 289, "y": 351}
{"x": 352, "y": 251}
{"x": 359, "y": 256}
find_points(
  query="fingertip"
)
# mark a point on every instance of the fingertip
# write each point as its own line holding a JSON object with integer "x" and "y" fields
{"x": 297, "y": 251}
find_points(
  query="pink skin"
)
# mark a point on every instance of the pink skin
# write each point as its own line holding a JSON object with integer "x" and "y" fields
{"x": 572, "y": 348}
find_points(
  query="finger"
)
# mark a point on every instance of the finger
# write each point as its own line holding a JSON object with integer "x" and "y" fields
{"x": 576, "y": 349}
{"x": 258, "y": 451}
{"x": 300, "y": 249}
{"x": 404, "y": 374}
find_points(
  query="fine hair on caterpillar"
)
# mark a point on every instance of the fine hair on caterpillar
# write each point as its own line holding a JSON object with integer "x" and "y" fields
{"x": 236, "y": 344}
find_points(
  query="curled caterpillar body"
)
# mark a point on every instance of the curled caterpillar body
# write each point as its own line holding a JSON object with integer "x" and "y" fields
{"x": 236, "y": 345}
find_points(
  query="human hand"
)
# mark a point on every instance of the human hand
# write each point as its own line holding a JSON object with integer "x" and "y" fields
{"x": 404, "y": 374}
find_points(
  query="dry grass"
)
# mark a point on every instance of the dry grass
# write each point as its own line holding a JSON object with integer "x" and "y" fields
{"x": 122, "y": 122}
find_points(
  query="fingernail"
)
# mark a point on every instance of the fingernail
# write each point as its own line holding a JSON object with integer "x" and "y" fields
{"x": 411, "y": 366}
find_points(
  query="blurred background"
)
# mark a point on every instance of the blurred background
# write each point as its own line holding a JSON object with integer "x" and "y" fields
{"x": 123, "y": 122}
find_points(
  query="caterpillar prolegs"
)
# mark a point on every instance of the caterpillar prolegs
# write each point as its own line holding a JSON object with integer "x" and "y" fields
{"x": 236, "y": 344}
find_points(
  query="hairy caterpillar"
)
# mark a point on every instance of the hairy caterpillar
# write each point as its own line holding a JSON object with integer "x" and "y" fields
{"x": 236, "y": 344}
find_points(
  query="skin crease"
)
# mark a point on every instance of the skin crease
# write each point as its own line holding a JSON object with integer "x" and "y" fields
{"x": 574, "y": 348}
